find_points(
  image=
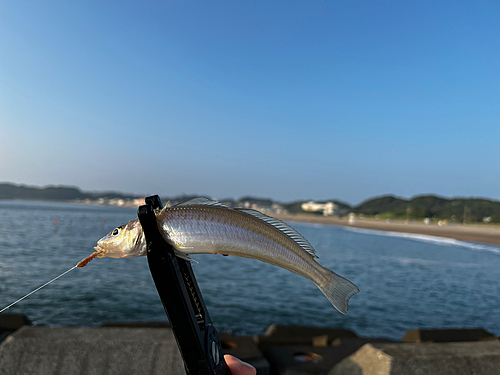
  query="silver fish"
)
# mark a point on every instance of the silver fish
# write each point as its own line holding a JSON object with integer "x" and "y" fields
{"x": 203, "y": 226}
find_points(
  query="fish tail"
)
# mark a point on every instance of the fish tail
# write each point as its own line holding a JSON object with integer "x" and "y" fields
{"x": 338, "y": 291}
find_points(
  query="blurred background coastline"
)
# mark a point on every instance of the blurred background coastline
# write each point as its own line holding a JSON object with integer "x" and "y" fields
{"x": 465, "y": 219}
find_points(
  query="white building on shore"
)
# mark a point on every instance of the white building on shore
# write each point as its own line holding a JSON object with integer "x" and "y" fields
{"x": 328, "y": 208}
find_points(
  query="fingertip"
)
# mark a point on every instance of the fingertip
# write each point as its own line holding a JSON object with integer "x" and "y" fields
{"x": 238, "y": 367}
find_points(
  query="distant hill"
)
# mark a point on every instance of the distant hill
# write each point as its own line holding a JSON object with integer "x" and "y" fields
{"x": 430, "y": 206}
{"x": 388, "y": 206}
{"x": 380, "y": 205}
{"x": 55, "y": 193}
{"x": 262, "y": 202}
{"x": 293, "y": 207}
{"x": 11, "y": 191}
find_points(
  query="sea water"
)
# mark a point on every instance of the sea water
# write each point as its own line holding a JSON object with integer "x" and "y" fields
{"x": 406, "y": 281}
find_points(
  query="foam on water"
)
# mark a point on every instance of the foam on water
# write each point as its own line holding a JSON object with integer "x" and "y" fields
{"x": 430, "y": 239}
{"x": 405, "y": 261}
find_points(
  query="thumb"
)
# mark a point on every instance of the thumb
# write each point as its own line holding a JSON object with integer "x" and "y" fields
{"x": 238, "y": 367}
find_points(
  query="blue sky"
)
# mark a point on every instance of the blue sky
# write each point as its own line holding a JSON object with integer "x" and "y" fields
{"x": 281, "y": 99}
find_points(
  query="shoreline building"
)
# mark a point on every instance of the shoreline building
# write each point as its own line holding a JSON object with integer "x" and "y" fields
{"x": 328, "y": 208}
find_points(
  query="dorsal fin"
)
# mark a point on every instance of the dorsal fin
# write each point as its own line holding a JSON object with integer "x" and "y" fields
{"x": 200, "y": 201}
{"x": 284, "y": 228}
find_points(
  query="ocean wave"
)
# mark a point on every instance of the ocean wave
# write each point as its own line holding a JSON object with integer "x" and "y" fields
{"x": 417, "y": 261}
{"x": 443, "y": 241}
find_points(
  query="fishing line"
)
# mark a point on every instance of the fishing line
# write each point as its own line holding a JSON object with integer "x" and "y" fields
{"x": 37, "y": 289}
{"x": 80, "y": 264}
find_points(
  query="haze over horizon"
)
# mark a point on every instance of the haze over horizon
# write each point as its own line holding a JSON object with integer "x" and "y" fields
{"x": 286, "y": 100}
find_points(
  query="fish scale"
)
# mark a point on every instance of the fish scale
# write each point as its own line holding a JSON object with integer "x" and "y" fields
{"x": 185, "y": 226}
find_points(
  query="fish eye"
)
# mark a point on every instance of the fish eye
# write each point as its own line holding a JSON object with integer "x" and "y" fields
{"x": 115, "y": 232}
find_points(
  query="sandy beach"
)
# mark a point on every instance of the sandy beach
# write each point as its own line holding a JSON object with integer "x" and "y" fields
{"x": 470, "y": 232}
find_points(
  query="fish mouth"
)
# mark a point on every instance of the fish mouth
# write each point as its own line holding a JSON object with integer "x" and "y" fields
{"x": 101, "y": 253}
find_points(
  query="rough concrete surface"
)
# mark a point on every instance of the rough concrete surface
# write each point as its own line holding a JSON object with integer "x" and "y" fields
{"x": 311, "y": 359}
{"x": 90, "y": 351}
{"x": 288, "y": 335}
{"x": 12, "y": 322}
{"x": 448, "y": 335}
{"x": 478, "y": 358}
{"x": 245, "y": 348}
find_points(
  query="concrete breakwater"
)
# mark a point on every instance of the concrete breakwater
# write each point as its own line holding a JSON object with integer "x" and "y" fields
{"x": 150, "y": 348}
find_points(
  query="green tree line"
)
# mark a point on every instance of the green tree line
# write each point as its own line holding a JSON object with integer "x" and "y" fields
{"x": 433, "y": 207}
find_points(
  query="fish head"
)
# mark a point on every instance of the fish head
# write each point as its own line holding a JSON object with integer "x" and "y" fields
{"x": 125, "y": 241}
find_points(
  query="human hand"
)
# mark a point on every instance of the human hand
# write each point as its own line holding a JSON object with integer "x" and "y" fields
{"x": 238, "y": 367}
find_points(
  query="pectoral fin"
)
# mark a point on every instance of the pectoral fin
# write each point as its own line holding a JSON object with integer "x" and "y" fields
{"x": 184, "y": 256}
